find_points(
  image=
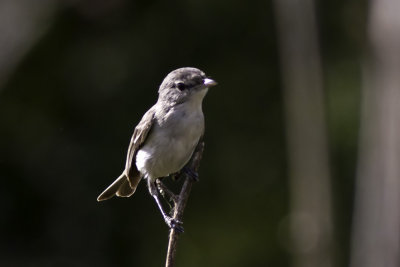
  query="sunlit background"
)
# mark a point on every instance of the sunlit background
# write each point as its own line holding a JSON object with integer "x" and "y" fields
{"x": 301, "y": 165}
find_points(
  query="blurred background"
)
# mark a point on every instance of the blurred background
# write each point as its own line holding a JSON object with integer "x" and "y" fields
{"x": 301, "y": 164}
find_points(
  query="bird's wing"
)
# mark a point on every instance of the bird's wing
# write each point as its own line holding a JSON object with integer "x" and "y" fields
{"x": 137, "y": 140}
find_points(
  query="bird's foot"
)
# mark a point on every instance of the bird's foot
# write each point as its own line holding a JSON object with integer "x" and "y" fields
{"x": 191, "y": 174}
{"x": 174, "y": 224}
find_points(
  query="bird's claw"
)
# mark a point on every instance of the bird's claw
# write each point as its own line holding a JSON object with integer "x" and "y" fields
{"x": 192, "y": 174}
{"x": 174, "y": 224}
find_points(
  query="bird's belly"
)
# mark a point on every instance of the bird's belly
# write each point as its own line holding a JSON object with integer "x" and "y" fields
{"x": 168, "y": 149}
{"x": 163, "y": 157}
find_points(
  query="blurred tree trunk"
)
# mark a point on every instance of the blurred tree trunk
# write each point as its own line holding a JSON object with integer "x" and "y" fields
{"x": 311, "y": 216}
{"x": 376, "y": 225}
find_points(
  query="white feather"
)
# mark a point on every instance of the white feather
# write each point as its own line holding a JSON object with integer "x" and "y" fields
{"x": 173, "y": 139}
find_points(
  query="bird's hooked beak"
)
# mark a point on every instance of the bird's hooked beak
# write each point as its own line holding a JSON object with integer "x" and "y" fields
{"x": 209, "y": 82}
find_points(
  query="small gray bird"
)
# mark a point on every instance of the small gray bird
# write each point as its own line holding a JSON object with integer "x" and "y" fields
{"x": 164, "y": 140}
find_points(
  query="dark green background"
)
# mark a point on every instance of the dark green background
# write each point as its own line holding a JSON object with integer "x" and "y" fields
{"x": 68, "y": 111}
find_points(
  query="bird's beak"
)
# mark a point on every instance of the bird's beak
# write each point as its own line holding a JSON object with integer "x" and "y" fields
{"x": 209, "y": 82}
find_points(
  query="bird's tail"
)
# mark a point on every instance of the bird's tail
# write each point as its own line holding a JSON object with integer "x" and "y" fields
{"x": 120, "y": 187}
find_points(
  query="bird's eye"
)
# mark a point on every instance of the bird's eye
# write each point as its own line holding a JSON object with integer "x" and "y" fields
{"x": 181, "y": 86}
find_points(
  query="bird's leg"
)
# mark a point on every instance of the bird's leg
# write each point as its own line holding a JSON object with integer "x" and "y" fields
{"x": 166, "y": 192}
{"x": 186, "y": 171}
{"x": 172, "y": 223}
{"x": 164, "y": 195}
{"x": 190, "y": 173}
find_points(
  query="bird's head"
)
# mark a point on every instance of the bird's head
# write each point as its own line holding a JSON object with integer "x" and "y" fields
{"x": 185, "y": 84}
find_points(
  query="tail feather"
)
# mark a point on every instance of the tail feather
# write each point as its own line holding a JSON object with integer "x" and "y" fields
{"x": 120, "y": 187}
{"x": 125, "y": 190}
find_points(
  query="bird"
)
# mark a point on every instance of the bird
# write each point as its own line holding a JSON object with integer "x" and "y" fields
{"x": 164, "y": 140}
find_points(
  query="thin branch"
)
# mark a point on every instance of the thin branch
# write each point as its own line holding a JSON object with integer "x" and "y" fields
{"x": 181, "y": 204}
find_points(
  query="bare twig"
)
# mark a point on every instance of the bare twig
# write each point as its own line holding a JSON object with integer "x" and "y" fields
{"x": 181, "y": 204}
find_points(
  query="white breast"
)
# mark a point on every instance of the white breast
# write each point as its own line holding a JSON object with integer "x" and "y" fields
{"x": 171, "y": 142}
